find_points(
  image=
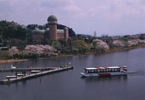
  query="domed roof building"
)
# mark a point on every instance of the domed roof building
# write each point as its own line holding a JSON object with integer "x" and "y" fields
{"x": 52, "y": 18}
{"x": 51, "y": 33}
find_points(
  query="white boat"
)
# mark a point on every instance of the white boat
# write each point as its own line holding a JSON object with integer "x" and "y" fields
{"x": 13, "y": 67}
{"x": 35, "y": 71}
{"x": 13, "y": 76}
{"x": 19, "y": 75}
{"x": 105, "y": 71}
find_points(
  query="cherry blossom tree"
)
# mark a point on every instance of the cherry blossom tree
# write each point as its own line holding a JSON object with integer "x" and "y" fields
{"x": 100, "y": 45}
{"x": 119, "y": 43}
{"x": 34, "y": 49}
{"x": 40, "y": 49}
{"x": 133, "y": 42}
{"x": 142, "y": 41}
{"x": 47, "y": 49}
{"x": 13, "y": 50}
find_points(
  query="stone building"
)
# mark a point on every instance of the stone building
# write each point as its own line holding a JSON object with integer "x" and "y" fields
{"x": 51, "y": 33}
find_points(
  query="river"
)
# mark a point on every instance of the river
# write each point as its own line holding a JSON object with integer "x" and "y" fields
{"x": 69, "y": 85}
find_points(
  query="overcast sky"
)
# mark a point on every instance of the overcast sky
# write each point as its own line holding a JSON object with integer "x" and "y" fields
{"x": 112, "y": 17}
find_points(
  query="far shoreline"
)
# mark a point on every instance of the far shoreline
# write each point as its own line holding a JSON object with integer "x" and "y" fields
{"x": 64, "y": 55}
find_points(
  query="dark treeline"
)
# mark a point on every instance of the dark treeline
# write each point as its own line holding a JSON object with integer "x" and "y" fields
{"x": 13, "y": 30}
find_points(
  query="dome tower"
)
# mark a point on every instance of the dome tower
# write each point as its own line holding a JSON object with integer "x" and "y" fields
{"x": 52, "y": 21}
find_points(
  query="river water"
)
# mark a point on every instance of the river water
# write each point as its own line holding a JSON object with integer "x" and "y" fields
{"x": 69, "y": 85}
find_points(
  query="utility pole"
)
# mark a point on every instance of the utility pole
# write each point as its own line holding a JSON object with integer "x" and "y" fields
{"x": 95, "y": 34}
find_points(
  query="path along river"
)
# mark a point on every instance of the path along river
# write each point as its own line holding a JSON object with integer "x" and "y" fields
{"x": 68, "y": 85}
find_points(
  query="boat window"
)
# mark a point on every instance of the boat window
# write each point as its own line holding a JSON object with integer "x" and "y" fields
{"x": 118, "y": 69}
{"x": 90, "y": 71}
{"x": 107, "y": 70}
{"x": 110, "y": 70}
{"x": 98, "y": 70}
{"x": 113, "y": 70}
{"x": 86, "y": 71}
{"x": 102, "y": 70}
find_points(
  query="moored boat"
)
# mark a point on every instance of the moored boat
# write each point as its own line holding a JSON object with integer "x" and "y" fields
{"x": 13, "y": 67}
{"x": 105, "y": 71}
{"x": 13, "y": 76}
{"x": 35, "y": 71}
{"x": 19, "y": 75}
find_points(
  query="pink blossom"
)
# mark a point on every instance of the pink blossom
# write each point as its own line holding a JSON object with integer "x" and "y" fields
{"x": 119, "y": 43}
{"x": 13, "y": 50}
{"x": 101, "y": 45}
{"x": 133, "y": 42}
{"x": 40, "y": 49}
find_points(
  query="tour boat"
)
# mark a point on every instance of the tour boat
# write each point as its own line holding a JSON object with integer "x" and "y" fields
{"x": 105, "y": 71}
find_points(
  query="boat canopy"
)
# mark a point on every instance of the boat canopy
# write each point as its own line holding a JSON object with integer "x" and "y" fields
{"x": 105, "y": 67}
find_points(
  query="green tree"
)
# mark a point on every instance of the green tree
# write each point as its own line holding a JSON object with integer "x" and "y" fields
{"x": 80, "y": 45}
{"x": 94, "y": 42}
{"x": 5, "y": 42}
{"x": 56, "y": 44}
{"x": 63, "y": 42}
{"x": 125, "y": 39}
{"x": 14, "y": 42}
{"x": 12, "y": 30}
{"x": 80, "y": 38}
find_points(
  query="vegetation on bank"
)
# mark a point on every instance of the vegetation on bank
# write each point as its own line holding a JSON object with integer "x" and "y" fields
{"x": 20, "y": 46}
{"x": 75, "y": 46}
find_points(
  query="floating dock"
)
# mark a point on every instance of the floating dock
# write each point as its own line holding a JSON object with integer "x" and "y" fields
{"x": 57, "y": 69}
{"x": 28, "y": 69}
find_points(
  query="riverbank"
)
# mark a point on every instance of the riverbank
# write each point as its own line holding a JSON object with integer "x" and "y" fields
{"x": 64, "y": 55}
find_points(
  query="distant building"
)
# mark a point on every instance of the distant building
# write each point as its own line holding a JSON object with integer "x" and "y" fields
{"x": 51, "y": 33}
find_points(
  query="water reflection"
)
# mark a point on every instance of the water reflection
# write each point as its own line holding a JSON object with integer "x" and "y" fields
{"x": 105, "y": 78}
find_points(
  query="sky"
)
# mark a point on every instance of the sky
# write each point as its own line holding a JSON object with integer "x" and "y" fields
{"x": 105, "y": 17}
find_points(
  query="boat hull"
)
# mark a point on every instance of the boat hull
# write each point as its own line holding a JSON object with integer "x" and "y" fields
{"x": 102, "y": 74}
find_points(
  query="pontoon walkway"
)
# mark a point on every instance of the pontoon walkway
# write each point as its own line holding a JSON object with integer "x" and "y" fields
{"x": 35, "y": 75}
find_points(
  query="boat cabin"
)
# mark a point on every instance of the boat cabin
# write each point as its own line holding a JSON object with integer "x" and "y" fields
{"x": 106, "y": 69}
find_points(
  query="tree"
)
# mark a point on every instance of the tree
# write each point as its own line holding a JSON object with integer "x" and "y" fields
{"x": 56, "y": 44}
{"x": 100, "y": 45}
{"x": 48, "y": 50}
{"x": 12, "y": 30}
{"x": 94, "y": 43}
{"x": 5, "y": 42}
{"x": 119, "y": 43}
{"x": 125, "y": 39}
{"x": 13, "y": 50}
{"x": 39, "y": 49}
{"x": 14, "y": 42}
{"x": 80, "y": 45}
